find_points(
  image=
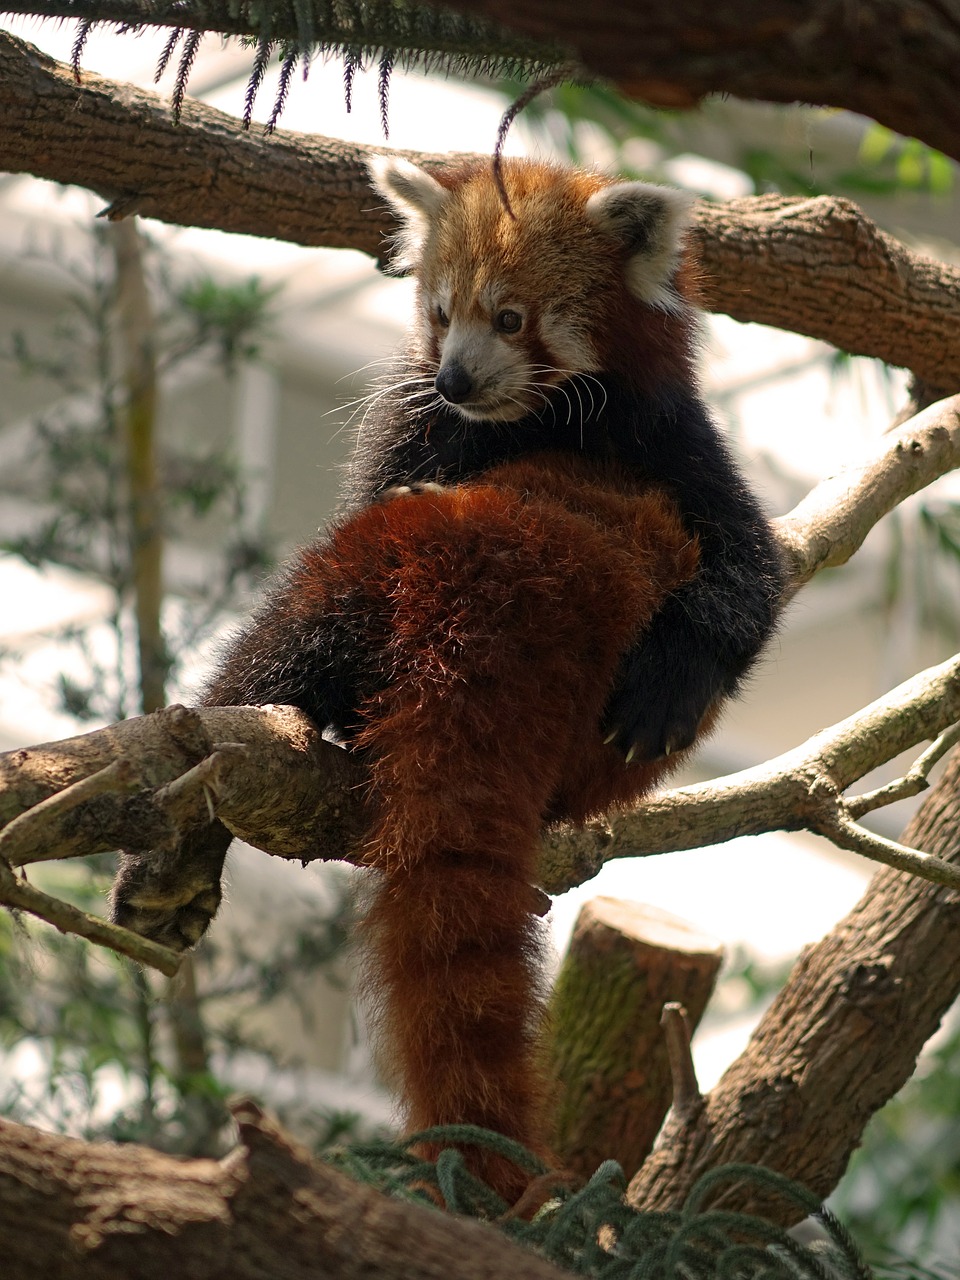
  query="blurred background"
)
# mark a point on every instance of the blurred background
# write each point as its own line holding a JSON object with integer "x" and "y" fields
{"x": 264, "y": 354}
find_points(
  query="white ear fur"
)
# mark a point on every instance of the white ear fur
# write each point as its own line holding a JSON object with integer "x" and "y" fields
{"x": 649, "y": 221}
{"x": 414, "y": 197}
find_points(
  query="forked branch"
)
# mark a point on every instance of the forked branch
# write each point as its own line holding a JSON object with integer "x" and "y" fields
{"x": 801, "y": 790}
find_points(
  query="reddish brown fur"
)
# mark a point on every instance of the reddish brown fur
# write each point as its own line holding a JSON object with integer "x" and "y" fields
{"x": 550, "y": 251}
{"x": 503, "y": 604}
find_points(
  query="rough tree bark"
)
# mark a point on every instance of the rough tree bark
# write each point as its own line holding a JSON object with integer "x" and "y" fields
{"x": 815, "y": 266}
{"x": 607, "y": 1049}
{"x": 841, "y": 1037}
{"x": 893, "y": 62}
{"x": 73, "y": 1210}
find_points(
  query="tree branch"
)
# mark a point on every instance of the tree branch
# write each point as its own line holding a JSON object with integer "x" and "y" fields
{"x": 152, "y": 786}
{"x": 840, "y": 1039}
{"x": 798, "y": 791}
{"x": 175, "y": 770}
{"x": 815, "y": 266}
{"x": 16, "y": 892}
{"x": 830, "y": 524}
{"x": 97, "y": 1211}
{"x": 818, "y": 266}
{"x": 677, "y": 1031}
{"x": 893, "y": 63}
{"x": 448, "y": 43}
{"x": 913, "y": 781}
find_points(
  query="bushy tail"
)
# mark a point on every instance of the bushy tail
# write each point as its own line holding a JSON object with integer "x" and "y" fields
{"x": 465, "y": 768}
{"x": 456, "y": 953}
{"x": 504, "y": 624}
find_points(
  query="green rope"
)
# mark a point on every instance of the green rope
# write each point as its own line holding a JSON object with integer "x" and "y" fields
{"x": 592, "y": 1232}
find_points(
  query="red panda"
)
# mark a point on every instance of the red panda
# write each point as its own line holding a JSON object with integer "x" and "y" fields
{"x": 548, "y": 575}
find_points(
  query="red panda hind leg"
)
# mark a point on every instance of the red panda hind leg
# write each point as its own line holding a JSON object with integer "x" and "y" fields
{"x": 507, "y": 617}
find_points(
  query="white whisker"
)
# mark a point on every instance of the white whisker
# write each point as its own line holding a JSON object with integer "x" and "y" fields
{"x": 575, "y": 378}
{"x": 384, "y": 360}
{"x": 373, "y": 396}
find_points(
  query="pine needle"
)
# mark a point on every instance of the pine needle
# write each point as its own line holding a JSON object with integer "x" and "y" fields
{"x": 283, "y": 88}
{"x": 383, "y": 91}
{"x": 83, "y": 30}
{"x": 260, "y": 63}
{"x": 167, "y": 53}
{"x": 187, "y": 58}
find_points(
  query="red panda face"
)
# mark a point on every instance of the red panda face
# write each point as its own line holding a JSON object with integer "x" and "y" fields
{"x": 513, "y": 304}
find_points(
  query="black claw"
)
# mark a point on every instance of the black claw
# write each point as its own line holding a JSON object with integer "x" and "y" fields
{"x": 666, "y": 686}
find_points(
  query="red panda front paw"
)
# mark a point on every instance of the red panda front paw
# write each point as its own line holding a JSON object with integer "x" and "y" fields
{"x": 410, "y": 490}
{"x": 660, "y": 700}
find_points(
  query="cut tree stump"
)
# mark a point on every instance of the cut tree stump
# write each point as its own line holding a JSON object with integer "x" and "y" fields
{"x": 608, "y": 1050}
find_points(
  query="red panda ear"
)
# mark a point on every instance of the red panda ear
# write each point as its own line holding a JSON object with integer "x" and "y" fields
{"x": 649, "y": 222}
{"x": 415, "y": 198}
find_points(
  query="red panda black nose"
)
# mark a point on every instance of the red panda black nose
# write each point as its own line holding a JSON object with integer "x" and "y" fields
{"x": 454, "y": 383}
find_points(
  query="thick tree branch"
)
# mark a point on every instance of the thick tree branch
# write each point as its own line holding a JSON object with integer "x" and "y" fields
{"x": 839, "y": 1040}
{"x": 817, "y": 267}
{"x": 179, "y": 767}
{"x": 896, "y": 63}
{"x": 84, "y": 1211}
{"x": 294, "y": 795}
{"x": 893, "y": 62}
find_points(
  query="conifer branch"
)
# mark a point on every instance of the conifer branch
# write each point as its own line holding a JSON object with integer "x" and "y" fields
{"x": 385, "y": 32}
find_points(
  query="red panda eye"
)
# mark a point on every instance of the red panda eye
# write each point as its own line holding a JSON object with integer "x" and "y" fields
{"x": 442, "y": 318}
{"x": 508, "y": 321}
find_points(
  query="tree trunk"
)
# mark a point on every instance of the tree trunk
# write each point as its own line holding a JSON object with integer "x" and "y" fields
{"x": 839, "y": 1041}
